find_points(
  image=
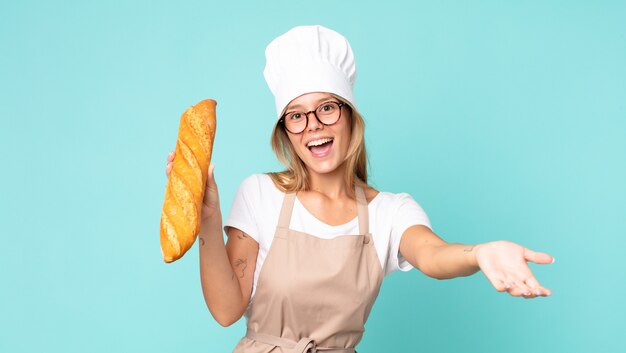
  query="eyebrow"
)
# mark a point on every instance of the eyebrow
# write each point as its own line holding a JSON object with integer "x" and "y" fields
{"x": 299, "y": 106}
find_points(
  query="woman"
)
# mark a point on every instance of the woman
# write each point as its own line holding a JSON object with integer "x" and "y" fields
{"x": 308, "y": 247}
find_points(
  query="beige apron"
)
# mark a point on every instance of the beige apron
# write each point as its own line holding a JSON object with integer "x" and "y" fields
{"x": 313, "y": 294}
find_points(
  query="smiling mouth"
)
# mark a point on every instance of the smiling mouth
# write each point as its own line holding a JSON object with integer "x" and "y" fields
{"x": 321, "y": 148}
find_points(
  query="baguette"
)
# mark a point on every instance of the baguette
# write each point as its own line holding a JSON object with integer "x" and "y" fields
{"x": 181, "y": 215}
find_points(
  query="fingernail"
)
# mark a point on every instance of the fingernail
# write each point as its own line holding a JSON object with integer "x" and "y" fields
{"x": 553, "y": 259}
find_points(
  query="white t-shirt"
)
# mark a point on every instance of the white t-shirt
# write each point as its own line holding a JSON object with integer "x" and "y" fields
{"x": 257, "y": 205}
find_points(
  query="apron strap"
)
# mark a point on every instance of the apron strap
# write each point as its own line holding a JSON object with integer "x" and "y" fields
{"x": 286, "y": 209}
{"x": 361, "y": 207}
{"x": 304, "y": 345}
{"x": 362, "y": 211}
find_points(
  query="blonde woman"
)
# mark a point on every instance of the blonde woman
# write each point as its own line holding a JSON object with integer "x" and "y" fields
{"x": 308, "y": 247}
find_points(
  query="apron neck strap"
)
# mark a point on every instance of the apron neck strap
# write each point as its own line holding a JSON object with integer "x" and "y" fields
{"x": 285, "y": 211}
{"x": 362, "y": 212}
{"x": 361, "y": 207}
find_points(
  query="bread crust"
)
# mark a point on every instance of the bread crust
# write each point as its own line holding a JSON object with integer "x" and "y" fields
{"x": 181, "y": 215}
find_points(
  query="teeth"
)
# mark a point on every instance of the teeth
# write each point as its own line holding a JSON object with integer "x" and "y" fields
{"x": 318, "y": 142}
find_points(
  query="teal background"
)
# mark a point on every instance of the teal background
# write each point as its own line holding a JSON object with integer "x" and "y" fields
{"x": 504, "y": 120}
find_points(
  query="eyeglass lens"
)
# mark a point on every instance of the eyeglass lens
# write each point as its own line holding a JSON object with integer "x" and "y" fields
{"x": 327, "y": 113}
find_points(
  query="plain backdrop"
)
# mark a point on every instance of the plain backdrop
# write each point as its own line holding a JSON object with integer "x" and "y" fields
{"x": 504, "y": 120}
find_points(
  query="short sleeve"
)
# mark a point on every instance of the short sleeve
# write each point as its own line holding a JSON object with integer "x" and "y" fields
{"x": 407, "y": 214}
{"x": 243, "y": 210}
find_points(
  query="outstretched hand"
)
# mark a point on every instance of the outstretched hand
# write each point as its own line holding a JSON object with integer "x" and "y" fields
{"x": 505, "y": 264}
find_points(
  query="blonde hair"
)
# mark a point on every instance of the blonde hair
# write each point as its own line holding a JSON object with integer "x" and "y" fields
{"x": 296, "y": 178}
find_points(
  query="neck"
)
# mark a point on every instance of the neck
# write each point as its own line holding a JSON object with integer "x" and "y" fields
{"x": 331, "y": 185}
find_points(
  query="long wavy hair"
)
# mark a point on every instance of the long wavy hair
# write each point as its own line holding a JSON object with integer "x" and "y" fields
{"x": 295, "y": 177}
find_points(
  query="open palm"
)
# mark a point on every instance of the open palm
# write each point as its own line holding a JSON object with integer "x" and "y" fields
{"x": 505, "y": 264}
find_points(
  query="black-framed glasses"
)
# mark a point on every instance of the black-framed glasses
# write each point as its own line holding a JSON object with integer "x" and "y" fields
{"x": 327, "y": 113}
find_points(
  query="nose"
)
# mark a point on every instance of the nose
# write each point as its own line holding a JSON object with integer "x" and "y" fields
{"x": 313, "y": 122}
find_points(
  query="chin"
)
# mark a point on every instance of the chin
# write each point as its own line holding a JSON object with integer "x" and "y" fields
{"x": 325, "y": 167}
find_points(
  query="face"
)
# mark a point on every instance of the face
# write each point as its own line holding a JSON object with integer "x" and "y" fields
{"x": 322, "y": 148}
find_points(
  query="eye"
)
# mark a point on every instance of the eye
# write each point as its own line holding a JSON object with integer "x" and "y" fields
{"x": 328, "y": 107}
{"x": 294, "y": 116}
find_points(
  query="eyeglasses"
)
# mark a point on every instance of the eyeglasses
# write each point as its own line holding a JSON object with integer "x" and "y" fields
{"x": 327, "y": 113}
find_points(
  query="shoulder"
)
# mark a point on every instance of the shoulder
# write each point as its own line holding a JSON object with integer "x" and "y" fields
{"x": 259, "y": 187}
{"x": 391, "y": 205}
{"x": 387, "y": 198}
{"x": 257, "y": 197}
{"x": 370, "y": 193}
{"x": 384, "y": 197}
{"x": 257, "y": 182}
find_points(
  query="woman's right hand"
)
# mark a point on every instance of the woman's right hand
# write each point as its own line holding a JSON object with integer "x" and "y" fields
{"x": 211, "y": 201}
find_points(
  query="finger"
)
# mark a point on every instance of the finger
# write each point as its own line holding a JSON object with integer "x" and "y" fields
{"x": 497, "y": 280}
{"x": 523, "y": 288}
{"x": 542, "y": 292}
{"x": 211, "y": 187}
{"x": 517, "y": 291}
{"x": 168, "y": 169}
{"x": 546, "y": 292}
{"x": 529, "y": 290}
{"x": 531, "y": 282}
{"x": 515, "y": 287}
{"x": 538, "y": 257}
{"x": 170, "y": 156}
{"x": 502, "y": 286}
{"x": 499, "y": 285}
{"x": 536, "y": 287}
{"x": 211, "y": 172}
{"x": 514, "y": 291}
{"x": 210, "y": 181}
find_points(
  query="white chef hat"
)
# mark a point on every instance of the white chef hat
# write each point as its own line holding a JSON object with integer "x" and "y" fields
{"x": 309, "y": 59}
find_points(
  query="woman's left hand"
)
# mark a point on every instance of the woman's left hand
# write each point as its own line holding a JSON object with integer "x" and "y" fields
{"x": 505, "y": 265}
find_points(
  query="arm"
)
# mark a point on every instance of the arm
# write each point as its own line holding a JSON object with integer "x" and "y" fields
{"x": 503, "y": 263}
{"x": 226, "y": 271}
{"x": 226, "y": 283}
{"x": 434, "y": 257}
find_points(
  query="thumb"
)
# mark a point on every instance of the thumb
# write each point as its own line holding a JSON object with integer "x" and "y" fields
{"x": 210, "y": 192}
{"x": 538, "y": 257}
{"x": 210, "y": 182}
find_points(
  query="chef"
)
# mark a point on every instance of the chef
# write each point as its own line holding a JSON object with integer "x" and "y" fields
{"x": 308, "y": 247}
